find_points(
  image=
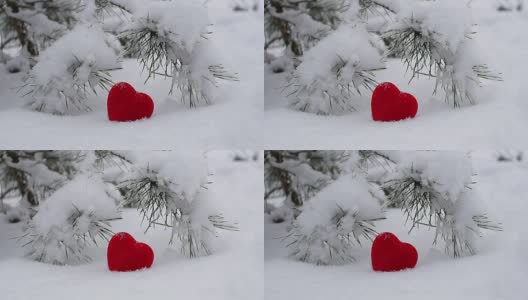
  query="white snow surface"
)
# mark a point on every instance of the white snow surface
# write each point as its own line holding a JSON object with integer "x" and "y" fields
{"x": 233, "y": 121}
{"x": 498, "y": 271}
{"x": 498, "y": 120}
{"x": 233, "y": 271}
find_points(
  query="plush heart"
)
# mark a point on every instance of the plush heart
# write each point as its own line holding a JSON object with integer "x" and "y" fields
{"x": 389, "y": 104}
{"x": 125, "y": 104}
{"x": 389, "y": 254}
{"x": 125, "y": 254}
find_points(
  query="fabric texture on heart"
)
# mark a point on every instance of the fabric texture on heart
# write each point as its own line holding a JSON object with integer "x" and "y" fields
{"x": 390, "y": 254}
{"x": 124, "y": 253}
{"x": 389, "y": 104}
{"x": 125, "y": 104}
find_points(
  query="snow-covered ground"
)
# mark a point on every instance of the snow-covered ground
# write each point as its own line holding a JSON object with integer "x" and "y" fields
{"x": 498, "y": 271}
{"x": 234, "y": 271}
{"x": 234, "y": 121}
{"x": 497, "y": 121}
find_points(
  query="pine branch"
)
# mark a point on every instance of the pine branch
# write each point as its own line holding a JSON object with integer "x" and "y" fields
{"x": 74, "y": 97}
{"x": 338, "y": 97}
{"x": 484, "y": 222}
{"x": 218, "y": 221}
{"x": 375, "y": 157}
{"x": 160, "y": 53}
{"x": 424, "y": 55}
{"x": 332, "y": 243}
{"x": 423, "y": 205}
{"x": 109, "y": 6}
{"x": 159, "y": 204}
{"x": 112, "y": 158}
{"x": 373, "y": 6}
{"x": 152, "y": 197}
{"x": 66, "y": 244}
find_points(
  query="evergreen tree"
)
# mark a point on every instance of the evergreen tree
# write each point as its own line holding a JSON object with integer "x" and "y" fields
{"x": 70, "y": 56}
{"x": 432, "y": 189}
{"x": 336, "y": 57}
{"x": 69, "y": 198}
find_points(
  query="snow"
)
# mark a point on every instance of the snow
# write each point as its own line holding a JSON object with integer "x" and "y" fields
{"x": 303, "y": 172}
{"x": 347, "y": 45}
{"x": 498, "y": 271}
{"x": 87, "y": 49}
{"x": 188, "y": 19}
{"x": 81, "y": 193}
{"x": 430, "y": 18}
{"x": 322, "y": 233}
{"x": 305, "y": 26}
{"x": 498, "y": 120}
{"x": 185, "y": 171}
{"x": 52, "y": 237}
{"x": 450, "y": 173}
{"x": 40, "y": 174}
{"x": 78, "y": 44}
{"x": 233, "y": 271}
{"x": 40, "y": 24}
{"x": 233, "y": 121}
{"x": 349, "y": 193}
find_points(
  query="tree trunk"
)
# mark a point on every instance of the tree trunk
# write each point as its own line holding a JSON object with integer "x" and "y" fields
{"x": 21, "y": 30}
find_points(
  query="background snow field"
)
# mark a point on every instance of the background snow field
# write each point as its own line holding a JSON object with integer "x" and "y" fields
{"x": 497, "y": 121}
{"x": 234, "y": 271}
{"x": 498, "y": 271}
{"x": 233, "y": 121}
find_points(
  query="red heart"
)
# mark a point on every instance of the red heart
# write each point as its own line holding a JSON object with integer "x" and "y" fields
{"x": 389, "y": 104}
{"x": 389, "y": 254}
{"x": 125, "y": 104}
{"x": 125, "y": 254}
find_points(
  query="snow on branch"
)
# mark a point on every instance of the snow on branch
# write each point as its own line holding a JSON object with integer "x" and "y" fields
{"x": 298, "y": 175}
{"x": 75, "y": 65}
{"x": 298, "y": 25}
{"x": 34, "y": 175}
{"x": 434, "y": 189}
{"x": 71, "y": 219}
{"x": 176, "y": 45}
{"x": 324, "y": 50}
{"x": 45, "y": 20}
{"x": 171, "y": 189}
{"x": 431, "y": 44}
{"x": 333, "y": 73}
{"x": 333, "y": 222}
